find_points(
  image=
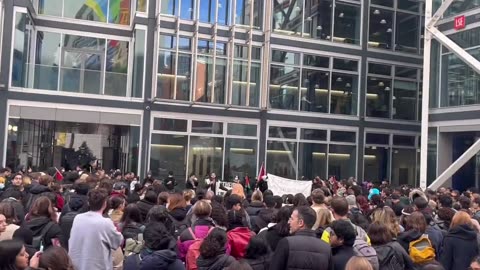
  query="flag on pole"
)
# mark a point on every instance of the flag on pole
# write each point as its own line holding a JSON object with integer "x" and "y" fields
{"x": 262, "y": 174}
{"x": 58, "y": 175}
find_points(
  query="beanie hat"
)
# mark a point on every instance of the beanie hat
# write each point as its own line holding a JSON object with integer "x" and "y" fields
{"x": 373, "y": 191}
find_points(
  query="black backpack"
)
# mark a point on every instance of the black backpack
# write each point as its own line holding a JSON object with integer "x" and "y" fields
{"x": 388, "y": 259}
{"x": 38, "y": 241}
{"x": 178, "y": 226}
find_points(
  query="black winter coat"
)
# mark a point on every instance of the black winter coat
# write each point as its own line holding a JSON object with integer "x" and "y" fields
{"x": 161, "y": 259}
{"x": 384, "y": 253}
{"x": 37, "y": 224}
{"x": 302, "y": 251}
{"x": 272, "y": 237}
{"x": 262, "y": 263}
{"x": 460, "y": 246}
{"x": 66, "y": 223}
{"x": 340, "y": 256}
{"x": 216, "y": 263}
{"x": 35, "y": 191}
{"x": 144, "y": 206}
{"x": 264, "y": 217}
{"x": 132, "y": 230}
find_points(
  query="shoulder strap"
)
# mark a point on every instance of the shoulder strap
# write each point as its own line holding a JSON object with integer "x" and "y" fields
{"x": 192, "y": 233}
{"x": 45, "y": 230}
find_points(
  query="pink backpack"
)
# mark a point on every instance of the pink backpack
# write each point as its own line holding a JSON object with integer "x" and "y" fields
{"x": 193, "y": 251}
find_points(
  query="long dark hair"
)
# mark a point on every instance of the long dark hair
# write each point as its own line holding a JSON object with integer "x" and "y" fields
{"x": 257, "y": 248}
{"x": 9, "y": 250}
{"x": 214, "y": 244}
{"x": 42, "y": 207}
{"x": 282, "y": 218}
{"x": 56, "y": 258}
{"x": 131, "y": 214}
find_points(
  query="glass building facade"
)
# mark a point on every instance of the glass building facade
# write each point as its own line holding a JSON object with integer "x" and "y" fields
{"x": 306, "y": 87}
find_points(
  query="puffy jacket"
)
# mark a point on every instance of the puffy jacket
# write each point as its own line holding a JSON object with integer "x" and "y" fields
{"x": 384, "y": 252}
{"x": 238, "y": 240}
{"x": 264, "y": 217}
{"x": 302, "y": 251}
{"x": 144, "y": 206}
{"x": 200, "y": 229}
{"x": 261, "y": 263}
{"x": 66, "y": 223}
{"x": 37, "y": 224}
{"x": 216, "y": 263}
{"x": 146, "y": 260}
{"x": 35, "y": 191}
{"x": 75, "y": 202}
{"x": 459, "y": 248}
{"x": 131, "y": 230}
{"x": 272, "y": 236}
{"x": 341, "y": 255}
{"x": 254, "y": 208}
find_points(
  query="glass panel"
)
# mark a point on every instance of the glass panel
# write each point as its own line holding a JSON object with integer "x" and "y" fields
{"x": 406, "y": 72}
{"x": 405, "y": 100}
{"x": 207, "y": 127}
{"x": 186, "y": 9}
{"x": 167, "y": 42}
{"x": 410, "y": 5}
{"x": 379, "y": 69}
{"x": 138, "y": 63}
{"x": 116, "y": 74}
{"x": 255, "y": 84}
{"x": 312, "y": 160}
{"x": 316, "y": 61}
{"x": 185, "y": 44}
{"x": 318, "y": 19}
{"x": 50, "y": 7}
{"x": 403, "y": 167}
{"x": 242, "y": 130}
{"x": 387, "y": 3}
{"x": 118, "y": 12}
{"x": 47, "y": 59}
{"x": 467, "y": 38}
{"x": 284, "y": 87}
{"x": 313, "y": 134}
{"x": 21, "y": 50}
{"x": 406, "y": 33}
{"x": 240, "y": 83}
{"x": 381, "y": 28}
{"x": 222, "y": 9}
{"x": 205, "y": 156}
{"x": 219, "y": 86}
{"x": 373, "y": 138}
{"x": 169, "y": 7}
{"x": 315, "y": 90}
{"x": 282, "y": 132}
{"x": 341, "y": 161}
{"x": 168, "y": 153}
{"x": 183, "y": 76}
{"x": 285, "y": 57}
{"x": 432, "y": 155}
{"x": 204, "y": 70}
{"x": 257, "y": 13}
{"x": 142, "y": 5}
{"x": 343, "y": 136}
{"x": 92, "y": 11}
{"x": 376, "y": 163}
{"x": 347, "y": 24}
{"x": 207, "y": 11}
{"x": 458, "y": 7}
{"x": 166, "y": 124}
{"x": 404, "y": 140}
{"x": 378, "y": 97}
{"x": 282, "y": 159}
{"x": 288, "y": 19}
{"x": 343, "y": 93}
{"x": 345, "y": 64}
{"x": 240, "y": 158}
{"x": 166, "y": 75}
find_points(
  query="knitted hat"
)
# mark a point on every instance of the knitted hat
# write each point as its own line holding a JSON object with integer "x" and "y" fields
{"x": 373, "y": 191}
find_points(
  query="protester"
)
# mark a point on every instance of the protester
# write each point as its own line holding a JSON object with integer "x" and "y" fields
{"x": 7, "y": 210}
{"x": 170, "y": 182}
{"x": 342, "y": 238}
{"x": 131, "y": 223}
{"x": 42, "y": 221}
{"x": 93, "y": 237}
{"x": 13, "y": 255}
{"x": 213, "y": 252}
{"x": 117, "y": 205}
{"x": 281, "y": 229}
{"x": 358, "y": 263}
{"x": 145, "y": 204}
{"x": 55, "y": 258}
{"x": 238, "y": 234}
{"x": 258, "y": 254}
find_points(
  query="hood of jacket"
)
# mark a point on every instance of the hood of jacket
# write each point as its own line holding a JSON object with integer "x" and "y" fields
{"x": 39, "y": 189}
{"x": 464, "y": 232}
{"x": 384, "y": 251}
{"x": 267, "y": 214}
{"x": 409, "y": 236}
{"x": 77, "y": 202}
{"x": 179, "y": 213}
{"x": 216, "y": 263}
{"x": 36, "y": 224}
{"x": 160, "y": 259}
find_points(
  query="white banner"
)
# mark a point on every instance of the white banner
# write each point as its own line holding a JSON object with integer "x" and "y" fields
{"x": 281, "y": 186}
{"x": 227, "y": 185}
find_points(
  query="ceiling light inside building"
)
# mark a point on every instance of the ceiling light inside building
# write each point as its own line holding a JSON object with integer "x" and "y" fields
{"x": 341, "y": 15}
{"x": 376, "y": 12}
{"x": 383, "y": 21}
{"x": 389, "y": 30}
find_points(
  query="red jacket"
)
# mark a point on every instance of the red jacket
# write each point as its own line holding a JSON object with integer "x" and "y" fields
{"x": 238, "y": 240}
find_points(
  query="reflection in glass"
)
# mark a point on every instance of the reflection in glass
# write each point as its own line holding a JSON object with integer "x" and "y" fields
{"x": 255, "y": 73}
{"x": 406, "y": 38}
{"x": 166, "y": 74}
{"x": 284, "y": 87}
{"x": 46, "y": 60}
{"x": 168, "y": 153}
{"x": 116, "y": 68}
{"x": 315, "y": 84}
{"x": 118, "y": 11}
{"x": 380, "y": 29}
{"x": 240, "y": 83}
{"x": 375, "y": 138}
{"x": 282, "y": 132}
{"x": 207, "y": 11}
{"x": 50, "y": 7}
{"x": 183, "y": 76}
{"x": 343, "y": 136}
{"x": 378, "y": 97}
{"x": 240, "y": 158}
{"x": 282, "y": 159}
{"x": 387, "y": 3}
{"x": 312, "y": 160}
{"x": 138, "y": 63}
{"x": 347, "y": 24}
{"x": 376, "y": 163}
{"x": 432, "y": 155}
{"x": 313, "y": 134}
{"x": 288, "y": 19}
{"x": 242, "y": 130}
{"x": 410, "y": 5}
{"x": 405, "y": 100}
{"x": 205, "y": 155}
{"x": 341, "y": 161}
{"x": 21, "y": 50}
{"x": 207, "y": 127}
{"x": 345, "y": 64}
{"x": 142, "y": 5}
{"x": 404, "y": 167}
{"x": 170, "y": 124}
{"x": 204, "y": 70}
{"x": 186, "y": 9}
{"x": 169, "y": 7}
{"x": 344, "y": 94}
{"x": 219, "y": 86}
{"x": 318, "y": 19}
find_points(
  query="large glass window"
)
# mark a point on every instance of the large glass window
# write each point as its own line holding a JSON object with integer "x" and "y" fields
{"x": 142, "y": 5}
{"x": 392, "y": 92}
{"x": 138, "y": 63}
{"x": 249, "y": 12}
{"x": 21, "y": 50}
{"x": 246, "y": 81}
{"x": 111, "y": 11}
{"x": 404, "y": 162}
{"x": 312, "y": 160}
{"x": 324, "y": 87}
{"x": 181, "y": 8}
{"x": 46, "y": 60}
{"x": 116, "y": 77}
{"x": 376, "y": 163}
{"x": 395, "y": 25}
{"x": 203, "y": 147}
{"x": 282, "y": 159}
{"x": 332, "y": 20}
{"x": 342, "y": 160}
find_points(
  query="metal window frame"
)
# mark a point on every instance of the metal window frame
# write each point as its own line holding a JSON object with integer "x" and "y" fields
{"x": 432, "y": 32}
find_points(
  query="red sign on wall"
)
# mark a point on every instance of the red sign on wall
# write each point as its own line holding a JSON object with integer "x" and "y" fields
{"x": 459, "y": 22}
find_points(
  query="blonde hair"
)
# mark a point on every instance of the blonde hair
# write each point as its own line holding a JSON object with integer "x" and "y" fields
{"x": 257, "y": 196}
{"x": 324, "y": 218}
{"x": 386, "y": 216}
{"x": 461, "y": 218}
{"x": 358, "y": 263}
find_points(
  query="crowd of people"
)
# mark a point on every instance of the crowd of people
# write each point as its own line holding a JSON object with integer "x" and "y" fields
{"x": 99, "y": 220}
